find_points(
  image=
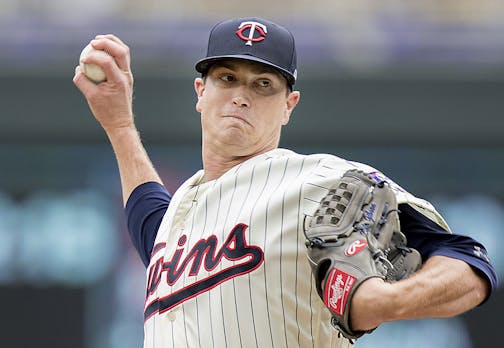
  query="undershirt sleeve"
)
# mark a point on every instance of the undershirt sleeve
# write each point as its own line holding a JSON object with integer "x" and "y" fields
{"x": 144, "y": 211}
{"x": 430, "y": 239}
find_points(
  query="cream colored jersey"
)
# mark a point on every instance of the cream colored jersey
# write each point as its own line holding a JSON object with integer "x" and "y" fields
{"x": 229, "y": 266}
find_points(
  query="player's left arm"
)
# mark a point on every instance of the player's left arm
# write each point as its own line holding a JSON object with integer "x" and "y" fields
{"x": 443, "y": 287}
{"x": 455, "y": 277}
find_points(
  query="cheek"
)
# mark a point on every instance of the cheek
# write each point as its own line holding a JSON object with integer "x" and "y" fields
{"x": 278, "y": 117}
{"x": 209, "y": 101}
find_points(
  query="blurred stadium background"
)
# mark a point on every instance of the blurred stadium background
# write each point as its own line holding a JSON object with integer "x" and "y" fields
{"x": 424, "y": 78}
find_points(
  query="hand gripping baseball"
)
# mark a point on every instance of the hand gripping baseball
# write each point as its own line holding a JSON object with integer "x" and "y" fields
{"x": 111, "y": 100}
{"x": 354, "y": 235}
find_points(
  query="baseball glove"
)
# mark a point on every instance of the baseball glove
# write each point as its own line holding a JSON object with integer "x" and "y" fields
{"x": 355, "y": 235}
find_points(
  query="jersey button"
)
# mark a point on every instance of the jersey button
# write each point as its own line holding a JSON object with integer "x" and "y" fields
{"x": 172, "y": 315}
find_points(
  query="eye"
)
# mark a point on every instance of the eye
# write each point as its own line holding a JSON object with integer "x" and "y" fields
{"x": 264, "y": 83}
{"x": 227, "y": 78}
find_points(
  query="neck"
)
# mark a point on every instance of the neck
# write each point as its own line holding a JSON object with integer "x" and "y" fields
{"x": 216, "y": 164}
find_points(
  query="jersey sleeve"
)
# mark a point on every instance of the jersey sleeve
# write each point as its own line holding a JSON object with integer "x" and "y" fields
{"x": 144, "y": 211}
{"x": 430, "y": 239}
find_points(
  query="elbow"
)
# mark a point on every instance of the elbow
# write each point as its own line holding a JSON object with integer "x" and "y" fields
{"x": 481, "y": 288}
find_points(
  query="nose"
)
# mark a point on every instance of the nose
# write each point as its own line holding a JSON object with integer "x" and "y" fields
{"x": 240, "y": 101}
{"x": 241, "y": 98}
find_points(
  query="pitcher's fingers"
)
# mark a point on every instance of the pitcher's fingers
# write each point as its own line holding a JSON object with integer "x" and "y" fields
{"x": 116, "y": 48}
{"x": 111, "y": 37}
{"x": 108, "y": 63}
{"x": 85, "y": 85}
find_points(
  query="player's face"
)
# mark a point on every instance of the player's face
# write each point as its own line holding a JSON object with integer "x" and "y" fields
{"x": 243, "y": 107}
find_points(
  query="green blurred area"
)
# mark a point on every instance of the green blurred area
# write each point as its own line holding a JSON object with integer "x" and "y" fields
{"x": 362, "y": 111}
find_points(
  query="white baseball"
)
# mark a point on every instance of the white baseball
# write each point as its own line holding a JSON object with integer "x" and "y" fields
{"x": 94, "y": 72}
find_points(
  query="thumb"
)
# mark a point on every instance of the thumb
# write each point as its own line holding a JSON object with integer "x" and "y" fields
{"x": 85, "y": 85}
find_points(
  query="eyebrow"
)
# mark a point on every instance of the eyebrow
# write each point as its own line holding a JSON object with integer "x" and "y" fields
{"x": 257, "y": 68}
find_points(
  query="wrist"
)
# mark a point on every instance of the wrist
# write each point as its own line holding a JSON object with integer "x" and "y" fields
{"x": 121, "y": 130}
{"x": 373, "y": 304}
{"x": 124, "y": 138}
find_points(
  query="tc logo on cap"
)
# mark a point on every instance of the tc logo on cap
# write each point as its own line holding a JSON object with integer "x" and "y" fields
{"x": 253, "y": 27}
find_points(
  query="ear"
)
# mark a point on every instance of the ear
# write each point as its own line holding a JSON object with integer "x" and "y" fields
{"x": 199, "y": 87}
{"x": 291, "y": 102}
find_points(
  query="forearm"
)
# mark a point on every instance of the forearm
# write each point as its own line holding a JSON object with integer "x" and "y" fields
{"x": 444, "y": 287}
{"x": 135, "y": 167}
{"x": 111, "y": 104}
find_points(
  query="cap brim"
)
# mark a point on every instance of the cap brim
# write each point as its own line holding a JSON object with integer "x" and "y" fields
{"x": 203, "y": 65}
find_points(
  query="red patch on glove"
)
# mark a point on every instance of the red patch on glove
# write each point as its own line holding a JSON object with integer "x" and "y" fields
{"x": 336, "y": 290}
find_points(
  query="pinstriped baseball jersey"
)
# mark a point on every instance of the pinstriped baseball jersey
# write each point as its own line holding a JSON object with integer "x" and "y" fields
{"x": 229, "y": 267}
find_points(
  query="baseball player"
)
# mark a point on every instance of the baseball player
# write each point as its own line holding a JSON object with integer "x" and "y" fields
{"x": 230, "y": 259}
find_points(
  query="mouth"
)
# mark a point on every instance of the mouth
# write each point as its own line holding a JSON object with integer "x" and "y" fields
{"x": 237, "y": 117}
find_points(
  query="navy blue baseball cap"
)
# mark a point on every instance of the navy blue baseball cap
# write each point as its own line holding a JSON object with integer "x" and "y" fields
{"x": 254, "y": 39}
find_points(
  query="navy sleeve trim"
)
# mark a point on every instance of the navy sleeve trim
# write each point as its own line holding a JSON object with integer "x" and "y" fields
{"x": 144, "y": 211}
{"x": 430, "y": 239}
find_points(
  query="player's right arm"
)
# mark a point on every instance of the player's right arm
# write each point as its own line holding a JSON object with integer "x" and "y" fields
{"x": 111, "y": 105}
